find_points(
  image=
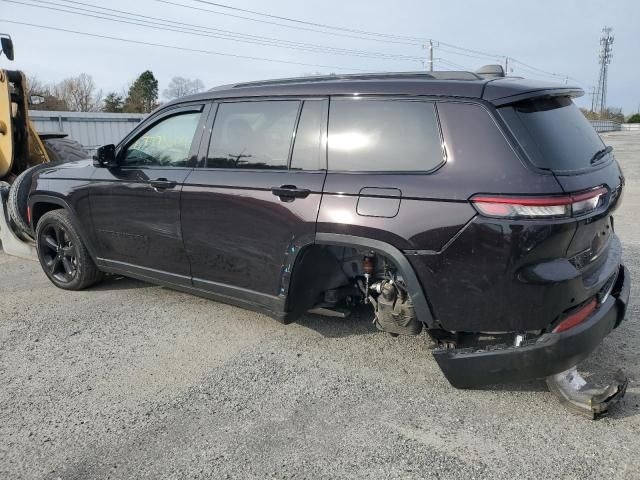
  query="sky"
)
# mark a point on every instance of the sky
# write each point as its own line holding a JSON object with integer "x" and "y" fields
{"x": 558, "y": 37}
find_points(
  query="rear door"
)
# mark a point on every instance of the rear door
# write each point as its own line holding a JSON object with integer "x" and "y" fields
{"x": 557, "y": 137}
{"x": 136, "y": 206}
{"x": 255, "y": 194}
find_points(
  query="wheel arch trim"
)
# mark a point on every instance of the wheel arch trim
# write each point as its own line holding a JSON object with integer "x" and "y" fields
{"x": 40, "y": 198}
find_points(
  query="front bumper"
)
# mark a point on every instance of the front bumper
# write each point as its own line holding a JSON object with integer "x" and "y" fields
{"x": 550, "y": 354}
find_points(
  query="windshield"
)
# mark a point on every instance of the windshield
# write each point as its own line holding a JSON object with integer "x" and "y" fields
{"x": 555, "y": 134}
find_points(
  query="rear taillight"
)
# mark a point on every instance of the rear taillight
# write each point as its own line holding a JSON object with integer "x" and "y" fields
{"x": 540, "y": 207}
{"x": 576, "y": 318}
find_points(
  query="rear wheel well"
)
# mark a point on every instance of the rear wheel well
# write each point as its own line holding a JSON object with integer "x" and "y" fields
{"x": 324, "y": 272}
{"x": 39, "y": 209}
{"x": 309, "y": 278}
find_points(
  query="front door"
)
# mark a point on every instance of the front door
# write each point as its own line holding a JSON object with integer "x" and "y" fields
{"x": 255, "y": 194}
{"x": 136, "y": 206}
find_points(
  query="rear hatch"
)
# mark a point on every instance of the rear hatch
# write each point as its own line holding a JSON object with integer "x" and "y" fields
{"x": 557, "y": 137}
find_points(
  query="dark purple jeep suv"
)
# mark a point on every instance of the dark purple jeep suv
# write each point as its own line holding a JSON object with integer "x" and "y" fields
{"x": 475, "y": 207}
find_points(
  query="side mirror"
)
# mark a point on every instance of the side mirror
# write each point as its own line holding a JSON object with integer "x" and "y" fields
{"x": 105, "y": 157}
{"x": 7, "y": 46}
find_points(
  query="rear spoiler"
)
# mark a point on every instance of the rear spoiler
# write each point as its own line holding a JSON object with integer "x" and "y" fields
{"x": 559, "y": 92}
{"x": 508, "y": 90}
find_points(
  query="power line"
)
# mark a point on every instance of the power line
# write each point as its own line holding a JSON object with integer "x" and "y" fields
{"x": 545, "y": 72}
{"x": 374, "y": 36}
{"x": 537, "y": 73}
{"x": 174, "y": 47}
{"x": 187, "y": 28}
{"x": 470, "y": 55}
{"x": 284, "y": 25}
{"x": 531, "y": 67}
{"x": 470, "y": 50}
{"x": 191, "y": 29}
{"x": 238, "y": 34}
{"x": 451, "y": 64}
{"x": 305, "y": 22}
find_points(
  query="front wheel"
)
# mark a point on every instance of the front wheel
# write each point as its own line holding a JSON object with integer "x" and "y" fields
{"x": 63, "y": 257}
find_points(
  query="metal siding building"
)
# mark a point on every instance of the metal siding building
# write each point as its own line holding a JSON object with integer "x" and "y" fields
{"x": 91, "y": 129}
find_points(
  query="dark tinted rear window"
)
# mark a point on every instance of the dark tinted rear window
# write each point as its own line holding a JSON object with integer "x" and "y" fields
{"x": 383, "y": 135}
{"x": 554, "y": 133}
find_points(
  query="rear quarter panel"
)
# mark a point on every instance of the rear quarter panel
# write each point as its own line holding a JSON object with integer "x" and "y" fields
{"x": 462, "y": 262}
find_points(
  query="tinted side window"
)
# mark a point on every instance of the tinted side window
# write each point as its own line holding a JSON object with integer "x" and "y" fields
{"x": 253, "y": 135}
{"x": 166, "y": 144}
{"x": 309, "y": 148}
{"x": 383, "y": 135}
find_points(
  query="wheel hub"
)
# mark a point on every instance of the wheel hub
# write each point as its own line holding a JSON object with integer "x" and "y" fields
{"x": 58, "y": 253}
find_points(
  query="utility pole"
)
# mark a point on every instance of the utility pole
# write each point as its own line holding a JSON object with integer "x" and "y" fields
{"x": 600, "y": 96}
{"x": 431, "y": 55}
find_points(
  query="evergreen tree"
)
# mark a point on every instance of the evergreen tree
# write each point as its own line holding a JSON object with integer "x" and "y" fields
{"x": 143, "y": 94}
{"x": 113, "y": 103}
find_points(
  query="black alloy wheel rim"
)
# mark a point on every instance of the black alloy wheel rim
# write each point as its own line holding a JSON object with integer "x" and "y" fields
{"x": 59, "y": 253}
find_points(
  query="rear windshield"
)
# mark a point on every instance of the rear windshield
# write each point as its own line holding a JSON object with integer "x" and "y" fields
{"x": 554, "y": 133}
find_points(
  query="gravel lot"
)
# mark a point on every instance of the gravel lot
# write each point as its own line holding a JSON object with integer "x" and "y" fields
{"x": 129, "y": 380}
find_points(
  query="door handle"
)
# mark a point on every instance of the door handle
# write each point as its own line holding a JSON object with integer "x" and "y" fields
{"x": 162, "y": 184}
{"x": 290, "y": 192}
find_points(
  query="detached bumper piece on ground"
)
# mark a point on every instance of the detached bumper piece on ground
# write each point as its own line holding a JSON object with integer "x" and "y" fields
{"x": 584, "y": 398}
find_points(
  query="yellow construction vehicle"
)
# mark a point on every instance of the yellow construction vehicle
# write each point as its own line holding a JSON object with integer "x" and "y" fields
{"x": 22, "y": 150}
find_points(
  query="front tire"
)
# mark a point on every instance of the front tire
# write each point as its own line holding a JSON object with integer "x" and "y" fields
{"x": 62, "y": 254}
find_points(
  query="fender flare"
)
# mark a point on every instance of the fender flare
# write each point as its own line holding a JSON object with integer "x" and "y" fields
{"x": 417, "y": 294}
{"x": 36, "y": 198}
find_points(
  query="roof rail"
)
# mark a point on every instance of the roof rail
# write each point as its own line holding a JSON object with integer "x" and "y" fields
{"x": 439, "y": 75}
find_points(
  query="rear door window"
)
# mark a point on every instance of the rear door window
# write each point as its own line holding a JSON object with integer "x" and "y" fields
{"x": 309, "y": 148}
{"x": 554, "y": 133}
{"x": 253, "y": 135}
{"x": 368, "y": 135}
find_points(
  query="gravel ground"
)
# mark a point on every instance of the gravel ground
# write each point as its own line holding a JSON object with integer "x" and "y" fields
{"x": 129, "y": 380}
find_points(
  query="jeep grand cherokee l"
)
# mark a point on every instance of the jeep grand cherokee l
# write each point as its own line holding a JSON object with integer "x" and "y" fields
{"x": 478, "y": 209}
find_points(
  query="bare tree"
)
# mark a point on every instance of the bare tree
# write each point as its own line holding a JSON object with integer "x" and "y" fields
{"x": 180, "y": 86}
{"x": 41, "y": 96}
{"x": 36, "y": 87}
{"x": 79, "y": 93}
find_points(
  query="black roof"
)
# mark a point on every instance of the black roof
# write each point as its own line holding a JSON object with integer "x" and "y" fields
{"x": 498, "y": 90}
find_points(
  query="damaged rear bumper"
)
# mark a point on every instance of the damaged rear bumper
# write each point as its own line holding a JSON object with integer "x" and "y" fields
{"x": 550, "y": 354}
